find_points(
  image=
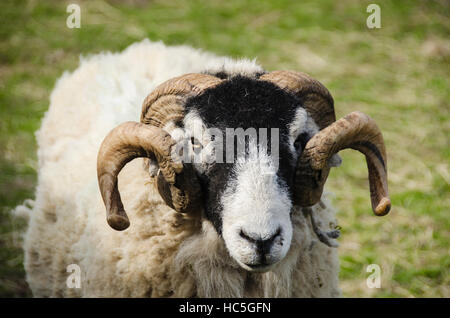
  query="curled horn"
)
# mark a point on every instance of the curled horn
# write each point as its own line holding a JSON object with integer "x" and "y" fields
{"x": 124, "y": 143}
{"x": 176, "y": 181}
{"x": 356, "y": 130}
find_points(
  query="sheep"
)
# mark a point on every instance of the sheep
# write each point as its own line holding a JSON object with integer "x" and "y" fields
{"x": 247, "y": 228}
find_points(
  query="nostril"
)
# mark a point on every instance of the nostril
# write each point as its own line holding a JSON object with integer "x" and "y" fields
{"x": 273, "y": 237}
{"x": 263, "y": 243}
{"x": 245, "y": 236}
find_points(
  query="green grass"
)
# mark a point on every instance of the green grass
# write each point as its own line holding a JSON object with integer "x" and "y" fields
{"x": 397, "y": 74}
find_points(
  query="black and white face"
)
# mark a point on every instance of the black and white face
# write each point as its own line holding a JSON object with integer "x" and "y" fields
{"x": 248, "y": 193}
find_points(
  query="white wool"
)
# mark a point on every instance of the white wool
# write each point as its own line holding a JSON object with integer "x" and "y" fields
{"x": 162, "y": 253}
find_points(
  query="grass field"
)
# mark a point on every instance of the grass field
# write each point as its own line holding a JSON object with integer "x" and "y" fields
{"x": 398, "y": 74}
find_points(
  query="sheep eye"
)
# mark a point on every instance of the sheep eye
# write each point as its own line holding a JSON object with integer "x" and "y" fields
{"x": 300, "y": 142}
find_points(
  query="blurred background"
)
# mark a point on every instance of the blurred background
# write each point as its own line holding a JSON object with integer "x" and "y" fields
{"x": 398, "y": 74}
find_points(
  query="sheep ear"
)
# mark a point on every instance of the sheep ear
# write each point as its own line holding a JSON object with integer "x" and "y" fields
{"x": 153, "y": 167}
{"x": 183, "y": 194}
{"x": 164, "y": 189}
{"x": 335, "y": 161}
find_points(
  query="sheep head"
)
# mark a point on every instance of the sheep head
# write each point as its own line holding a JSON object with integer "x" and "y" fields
{"x": 249, "y": 202}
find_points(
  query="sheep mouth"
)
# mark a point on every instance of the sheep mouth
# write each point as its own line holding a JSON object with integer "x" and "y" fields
{"x": 260, "y": 267}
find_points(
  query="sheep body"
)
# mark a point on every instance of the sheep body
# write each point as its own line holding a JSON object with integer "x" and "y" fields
{"x": 163, "y": 253}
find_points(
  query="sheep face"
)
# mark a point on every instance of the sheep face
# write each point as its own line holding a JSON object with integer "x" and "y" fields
{"x": 243, "y": 138}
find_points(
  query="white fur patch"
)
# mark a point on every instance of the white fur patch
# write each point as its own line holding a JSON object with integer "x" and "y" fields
{"x": 302, "y": 123}
{"x": 234, "y": 67}
{"x": 257, "y": 205}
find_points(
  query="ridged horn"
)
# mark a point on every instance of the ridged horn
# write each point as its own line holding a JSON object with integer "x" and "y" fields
{"x": 166, "y": 102}
{"x": 357, "y": 131}
{"x": 124, "y": 143}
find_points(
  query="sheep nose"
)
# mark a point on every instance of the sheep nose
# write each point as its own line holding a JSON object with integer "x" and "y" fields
{"x": 263, "y": 246}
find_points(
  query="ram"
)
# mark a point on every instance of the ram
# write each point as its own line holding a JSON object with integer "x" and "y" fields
{"x": 199, "y": 222}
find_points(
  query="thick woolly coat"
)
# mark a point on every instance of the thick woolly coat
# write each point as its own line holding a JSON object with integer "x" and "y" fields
{"x": 162, "y": 253}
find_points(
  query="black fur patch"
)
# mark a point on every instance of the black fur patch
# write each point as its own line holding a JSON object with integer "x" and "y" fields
{"x": 244, "y": 102}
